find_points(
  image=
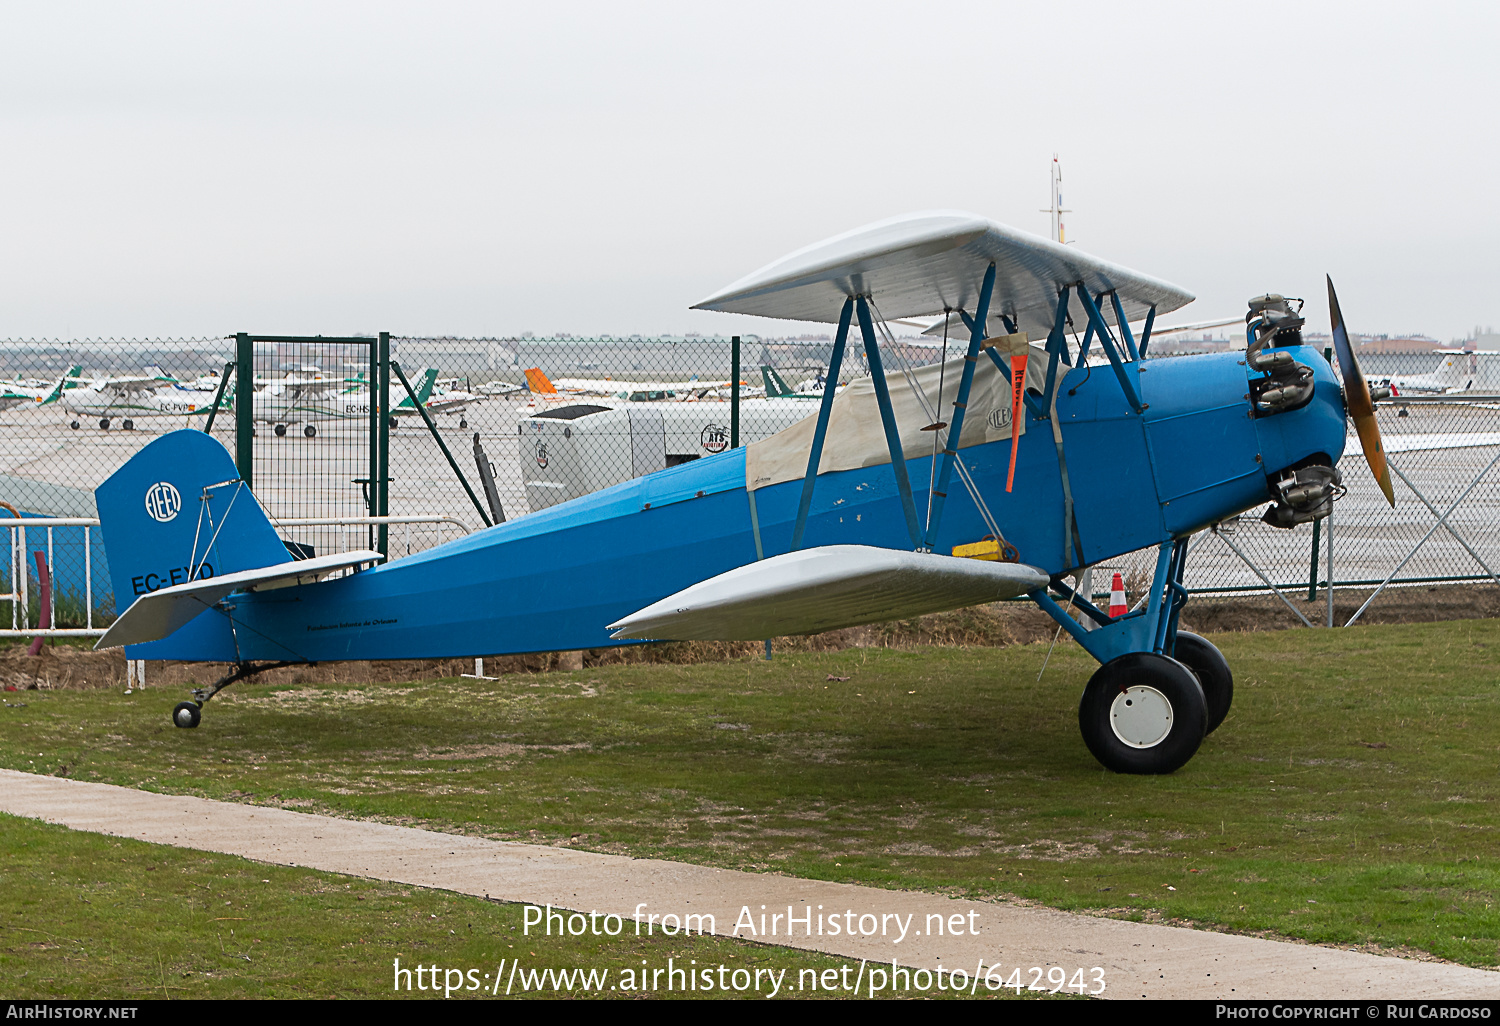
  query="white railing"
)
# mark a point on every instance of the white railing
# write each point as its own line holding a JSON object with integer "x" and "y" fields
{"x": 19, "y": 598}
{"x": 19, "y": 554}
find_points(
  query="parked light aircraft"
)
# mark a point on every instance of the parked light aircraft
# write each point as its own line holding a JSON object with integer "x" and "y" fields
{"x": 20, "y": 393}
{"x": 1457, "y": 370}
{"x": 828, "y": 523}
{"x": 300, "y": 400}
{"x": 153, "y": 393}
{"x": 630, "y": 391}
{"x": 776, "y": 388}
{"x": 452, "y": 401}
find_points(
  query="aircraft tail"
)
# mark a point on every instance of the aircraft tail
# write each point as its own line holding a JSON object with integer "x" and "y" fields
{"x": 539, "y": 383}
{"x": 62, "y": 383}
{"x": 154, "y": 371}
{"x": 775, "y": 387}
{"x": 177, "y": 511}
{"x": 423, "y": 390}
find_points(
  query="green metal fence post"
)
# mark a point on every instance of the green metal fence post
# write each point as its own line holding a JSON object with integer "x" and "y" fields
{"x": 382, "y": 494}
{"x": 734, "y": 392}
{"x": 244, "y": 407}
{"x": 372, "y": 394}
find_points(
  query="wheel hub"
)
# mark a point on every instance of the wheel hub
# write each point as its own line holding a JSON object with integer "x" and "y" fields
{"x": 1141, "y": 716}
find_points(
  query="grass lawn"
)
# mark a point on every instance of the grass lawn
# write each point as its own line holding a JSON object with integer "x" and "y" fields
{"x": 87, "y": 916}
{"x": 1349, "y": 798}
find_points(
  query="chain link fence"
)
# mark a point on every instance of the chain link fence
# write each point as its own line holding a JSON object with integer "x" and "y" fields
{"x": 510, "y": 426}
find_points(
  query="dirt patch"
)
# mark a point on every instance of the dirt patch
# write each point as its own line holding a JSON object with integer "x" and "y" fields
{"x": 992, "y": 626}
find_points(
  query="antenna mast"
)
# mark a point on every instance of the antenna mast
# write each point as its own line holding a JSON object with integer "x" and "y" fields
{"x": 1059, "y": 230}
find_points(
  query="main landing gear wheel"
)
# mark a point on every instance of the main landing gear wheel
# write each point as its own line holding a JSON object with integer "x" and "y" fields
{"x": 1208, "y": 665}
{"x": 128, "y": 424}
{"x": 392, "y": 421}
{"x": 1143, "y": 713}
{"x": 74, "y": 425}
{"x": 463, "y": 423}
{"x": 187, "y": 715}
{"x": 280, "y": 430}
{"x": 309, "y": 431}
{"x": 103, "y": 423}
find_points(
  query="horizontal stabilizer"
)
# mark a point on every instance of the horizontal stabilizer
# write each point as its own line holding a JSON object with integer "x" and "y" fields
{"x": 823, "y": 589}
{"x": 157, "y": 614}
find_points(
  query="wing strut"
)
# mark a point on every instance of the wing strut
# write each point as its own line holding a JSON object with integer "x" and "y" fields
{"x": 815, "y": 455}
{"x": 1107, "y": 341}
{"x": 1146, "y": 332}
{"x": 888, "y": 418}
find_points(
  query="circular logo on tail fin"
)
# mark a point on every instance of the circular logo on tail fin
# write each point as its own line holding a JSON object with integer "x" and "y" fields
{"x": 163, "y": 502}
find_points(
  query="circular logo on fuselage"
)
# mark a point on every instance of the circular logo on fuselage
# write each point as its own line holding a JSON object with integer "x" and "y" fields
{"x": 163, "y": 502}
{"x": 715, "y": 438}
{"x": 1000, "y": 417}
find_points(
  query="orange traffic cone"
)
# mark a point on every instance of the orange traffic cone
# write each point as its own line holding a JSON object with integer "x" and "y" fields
{"x": 1117, "y": 606}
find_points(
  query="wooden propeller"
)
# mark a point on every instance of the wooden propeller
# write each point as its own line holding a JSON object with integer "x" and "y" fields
{"x": 1357, "y": 399}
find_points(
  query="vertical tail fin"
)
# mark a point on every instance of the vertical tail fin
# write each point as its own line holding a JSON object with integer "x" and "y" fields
{"x": 62, "y": 383}
{"x": 423, "y": 390}
{"x": 539, "y": 383}
{"x": 775, "y": 387}
{"x": 178, "y": 511}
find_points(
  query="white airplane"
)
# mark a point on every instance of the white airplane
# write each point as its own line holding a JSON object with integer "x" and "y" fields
{"x": 447, "y": 399}
{"x": 151, "y": 394}
{"x": 1457, "y": 370}
{"x": 500, "y": 387}
{"x": 631, "y": 391}
{"x": 297, "y": 399}
{"x": 36, "y": 393}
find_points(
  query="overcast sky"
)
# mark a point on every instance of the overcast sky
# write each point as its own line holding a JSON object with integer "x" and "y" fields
{"x": 484, "y": 169}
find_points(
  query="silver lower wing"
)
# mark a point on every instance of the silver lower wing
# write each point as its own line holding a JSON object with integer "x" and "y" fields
{"x": 823, "y": 589}
{"x": 157, "y": 614}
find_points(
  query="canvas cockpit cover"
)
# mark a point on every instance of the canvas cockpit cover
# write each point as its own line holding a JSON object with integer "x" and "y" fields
{"x": 856, "y": 437}
{"x": 921, "y": 264}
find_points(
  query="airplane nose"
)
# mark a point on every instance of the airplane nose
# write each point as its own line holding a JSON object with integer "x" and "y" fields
{"x": 1312, "y": 433}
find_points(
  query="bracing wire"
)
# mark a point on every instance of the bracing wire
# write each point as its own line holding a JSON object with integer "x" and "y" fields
{"x": 936, "y": 424}
{"x": 963, "y": 471}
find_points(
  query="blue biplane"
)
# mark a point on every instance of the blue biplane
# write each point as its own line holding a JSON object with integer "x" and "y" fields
{"x": 1032, "y": 455}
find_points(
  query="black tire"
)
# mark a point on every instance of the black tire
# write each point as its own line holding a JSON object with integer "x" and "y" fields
{"x": 1143, "y": 682}
{"x": 392, "y": 421}
{"x": 103, "y": 423}
{"x": 280, "y": 430}
{"x": 74, "y": 425}
{"x": 128, "y": 424}
{"x": 1212, "y": 671}
{"x": 463, "y": 423}
{"x": 187, "y": 715}
{"x": 309, "y": 431}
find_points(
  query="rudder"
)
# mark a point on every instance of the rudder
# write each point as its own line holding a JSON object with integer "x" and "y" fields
{"x": 178, "y": 511}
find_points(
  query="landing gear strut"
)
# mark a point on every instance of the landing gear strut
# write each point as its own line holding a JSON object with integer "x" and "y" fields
{"x": 189, "y": 714}
{"x": 1158, "y": 691}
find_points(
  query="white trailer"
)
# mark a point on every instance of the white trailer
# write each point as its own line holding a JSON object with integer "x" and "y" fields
{"x": 572, "y": 450}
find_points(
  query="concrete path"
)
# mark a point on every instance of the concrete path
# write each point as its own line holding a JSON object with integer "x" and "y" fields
{"x": 1137, "y": 959}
